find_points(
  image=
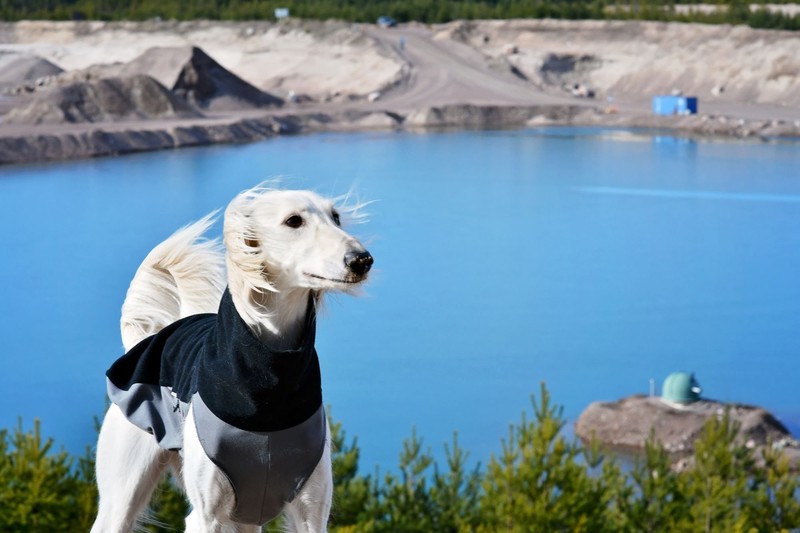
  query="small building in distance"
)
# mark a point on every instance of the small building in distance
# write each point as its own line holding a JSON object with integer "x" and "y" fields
{"x": 681, "y": 388}
{"x": 674, "y": 105}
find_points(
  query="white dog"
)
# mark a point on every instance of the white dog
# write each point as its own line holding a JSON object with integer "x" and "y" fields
{"x": 231, "y": 401}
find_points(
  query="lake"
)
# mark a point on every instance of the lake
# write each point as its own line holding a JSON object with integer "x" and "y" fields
{"x": 589, "y": 259}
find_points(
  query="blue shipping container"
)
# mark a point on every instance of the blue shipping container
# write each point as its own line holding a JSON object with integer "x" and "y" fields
{"x": 675, "y": 105}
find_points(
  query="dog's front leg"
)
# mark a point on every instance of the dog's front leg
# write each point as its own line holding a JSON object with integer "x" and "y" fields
{"x": 129, "y": 466}
{"x": 309, "y": 511}
{"x": 209, "y": 492}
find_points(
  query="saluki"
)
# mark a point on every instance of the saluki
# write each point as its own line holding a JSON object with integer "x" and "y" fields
{"x": 220, "y": 380}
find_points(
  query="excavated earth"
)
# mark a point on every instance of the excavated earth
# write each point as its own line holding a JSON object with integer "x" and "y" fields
{"x": 83, "y": 89}
{"x": 633, "y": 60}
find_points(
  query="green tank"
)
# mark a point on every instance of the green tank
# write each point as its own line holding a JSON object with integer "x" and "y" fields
{"x": 681, "y": 387}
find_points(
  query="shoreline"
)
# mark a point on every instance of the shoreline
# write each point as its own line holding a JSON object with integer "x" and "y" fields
{"x": 32, "y": 144}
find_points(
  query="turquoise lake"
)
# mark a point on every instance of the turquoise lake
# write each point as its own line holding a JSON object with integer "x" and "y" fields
{"x": 589, "y": 259}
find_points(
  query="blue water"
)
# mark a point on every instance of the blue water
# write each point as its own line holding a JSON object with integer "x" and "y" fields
{"x": 588, "y": 259}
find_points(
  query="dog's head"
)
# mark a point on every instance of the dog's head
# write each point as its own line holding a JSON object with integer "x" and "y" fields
{"x": 283, "y": 239}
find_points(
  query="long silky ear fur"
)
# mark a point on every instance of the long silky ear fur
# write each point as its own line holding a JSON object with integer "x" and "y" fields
{"x": 248, "y": 275}
{"x": 351, "y": 208}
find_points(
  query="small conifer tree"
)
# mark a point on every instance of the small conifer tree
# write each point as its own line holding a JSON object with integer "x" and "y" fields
{"x": 39, "y": 489}
{"x": 538, "y": 482}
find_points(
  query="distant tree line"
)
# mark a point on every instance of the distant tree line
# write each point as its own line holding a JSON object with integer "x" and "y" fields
{"x": 538, "y": 481}
{"x": 428, "y": 11}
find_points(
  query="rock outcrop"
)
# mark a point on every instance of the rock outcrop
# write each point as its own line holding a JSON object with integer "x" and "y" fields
{"x": 626, "y": 424}
{"x": 123, "y": 98}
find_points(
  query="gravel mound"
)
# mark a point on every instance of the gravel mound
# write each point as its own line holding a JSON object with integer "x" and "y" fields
{"x": 192, "y": 74}
{"x": 111, "y": 99}
{"x": 17, "y": 70}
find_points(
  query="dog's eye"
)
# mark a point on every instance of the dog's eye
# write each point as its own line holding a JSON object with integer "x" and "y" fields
{"x": 336, "y": 220}
{"x": 294, "y": 221}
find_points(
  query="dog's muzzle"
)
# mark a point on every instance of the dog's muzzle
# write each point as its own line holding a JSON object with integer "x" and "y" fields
{"x": 359, "y": 263}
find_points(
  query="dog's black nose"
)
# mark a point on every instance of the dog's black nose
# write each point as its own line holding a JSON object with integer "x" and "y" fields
{"x": 359, "y": 263}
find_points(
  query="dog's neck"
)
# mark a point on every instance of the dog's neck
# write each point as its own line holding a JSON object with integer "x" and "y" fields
{"x": 282, "y": 326}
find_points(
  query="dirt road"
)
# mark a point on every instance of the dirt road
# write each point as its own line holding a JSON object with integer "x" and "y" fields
{"x": 443, "y": 72}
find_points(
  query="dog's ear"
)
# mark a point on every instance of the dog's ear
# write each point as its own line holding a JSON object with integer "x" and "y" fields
{"x": 247, "y": 231}
{"x": 241, "y": 237}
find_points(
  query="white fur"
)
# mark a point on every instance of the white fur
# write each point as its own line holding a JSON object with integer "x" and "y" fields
{"x": 182, "y": 276}
{"x": 271, "y": 269}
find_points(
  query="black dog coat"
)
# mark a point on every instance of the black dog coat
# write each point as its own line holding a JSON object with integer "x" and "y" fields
{"x": 258, "y": 411}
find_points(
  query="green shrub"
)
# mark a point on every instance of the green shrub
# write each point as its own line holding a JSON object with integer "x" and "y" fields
{"x": 42, "y": 490}
{"x": 543, "y": 482}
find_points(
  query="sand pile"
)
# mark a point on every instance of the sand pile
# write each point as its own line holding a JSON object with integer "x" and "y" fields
{"x": 160, "y": 83}
{"x": 320, "y": 59}
{"x": 19, "y": 72}
{"x": 111, "y": 99}
{"x": 191, "y": 74}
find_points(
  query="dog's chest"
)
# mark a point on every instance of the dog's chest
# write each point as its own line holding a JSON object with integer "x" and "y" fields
{"x": 265, "y": 469}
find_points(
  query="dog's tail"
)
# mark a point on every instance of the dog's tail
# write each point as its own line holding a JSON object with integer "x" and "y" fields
{"x": 182, "y": 276}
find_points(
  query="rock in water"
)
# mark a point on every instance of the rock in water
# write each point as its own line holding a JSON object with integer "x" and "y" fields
{"x": 626, "y": 424}
{"x": 191, "y": 73}
{"x": 111, "y": 99}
